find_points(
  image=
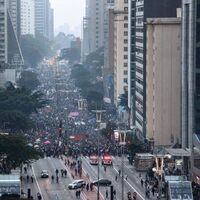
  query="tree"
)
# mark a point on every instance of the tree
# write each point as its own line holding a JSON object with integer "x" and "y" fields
{"x": 136, "y": 146}
{"x": 71, "y": 54}
{"x": 79, "y": 72}
{"x": 16, "y": 105}
{"x": 123, "y": 100}
{"x": 15, "y": 151}
{"x": 28, "y": 80}
{"x": 34, "y": 48}
{"x": 109, "y": 130}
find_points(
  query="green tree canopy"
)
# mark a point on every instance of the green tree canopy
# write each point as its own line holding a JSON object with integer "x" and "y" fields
{"x": 16, "y": 105}
{"x": 34, "y": 48}
{"x": 28, "y": 80}
{"x": 109, "y": 130}
{"x": 123, "y": 100}
{"x": 15, "y": 151}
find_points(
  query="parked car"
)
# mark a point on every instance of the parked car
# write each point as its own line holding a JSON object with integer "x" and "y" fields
{"x": 102, "y": 182}
{"x": 77, "y": 184}
{"x": 44, "y": 174}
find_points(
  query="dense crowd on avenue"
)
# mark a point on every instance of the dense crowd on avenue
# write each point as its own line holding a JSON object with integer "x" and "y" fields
{"x": 62, "y": 118}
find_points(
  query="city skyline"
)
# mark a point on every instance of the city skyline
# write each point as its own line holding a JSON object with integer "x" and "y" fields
{"x": 64, "y": 14}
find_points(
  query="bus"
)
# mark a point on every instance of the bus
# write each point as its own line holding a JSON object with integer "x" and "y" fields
{"x": 94, "y": 159}
{"x": 106, "y": 159}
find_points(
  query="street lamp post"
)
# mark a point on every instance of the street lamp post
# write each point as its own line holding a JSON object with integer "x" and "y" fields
{"x": 122, "y": 141}
{"x": 160, "y": 170}
{"x": 98, "y": 120}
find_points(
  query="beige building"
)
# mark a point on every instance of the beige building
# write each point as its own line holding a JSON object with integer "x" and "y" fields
{"x": 163, "y": 80}
{"x": 120, "y": 48}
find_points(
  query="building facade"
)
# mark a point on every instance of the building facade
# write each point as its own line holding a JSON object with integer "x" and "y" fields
{"x": 94, "y": 25}
{"x": 120, "y": 49}
{"x": 10, "y": 51}
{"x": 163, "y": 80}
{"x": 3, "y": 34}
{"x": 143, "y": 9}
{"x": 14, "y": 9}
{"x": 191, "y": 83}
{"x": 108, "y": 70}
{"x": 28, "y": 17}
{"x": 43, "y": 15}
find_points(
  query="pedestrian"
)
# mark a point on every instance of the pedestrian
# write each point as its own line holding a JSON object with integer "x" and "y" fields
{"x": 153, "y": 191}
{"x": 126, "y": 177}
{"x": 116, "y": 178}
{"x": 142, "y": 182}
{"x": 52, "y": 178}
{"x": 65, "y": 172}
{"x": 27, "y": 178}
{"x": 25, "y": 169}
{"x": 76, "y": 194}
{"x": 32, "y": 179}
{"x": 39, "y": 196}
{"x": 106, "y": 194}
{"x": 91, "y": 187}
{"x": 119, "y": 171}
{"x": 57, "y": 179}
{"x": 87, "y": 187}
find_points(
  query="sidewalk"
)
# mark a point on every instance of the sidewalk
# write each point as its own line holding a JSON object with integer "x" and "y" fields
{"x": 87, "y": 195}
{"x": 26, "y": 183}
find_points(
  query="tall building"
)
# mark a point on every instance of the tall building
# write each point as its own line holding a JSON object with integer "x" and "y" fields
{"x": 14, "y": 9}
{"x": 191, "y": 80}
{"x": 93, "y": 26}
{"x": 10, "y": 51}
{"x": 28, "y": 17}
{"x": 140, "y": 10}
{"x": 43, "y": 16}
{"x": 163, "y": 81}
{"x": 108, "y": 69}
{"x": 3, "y": 34}
{"x": 120, "y": 49}
{"x": 51, "y": 24}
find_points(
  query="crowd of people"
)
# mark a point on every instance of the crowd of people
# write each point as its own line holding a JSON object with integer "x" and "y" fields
{"x": 62, "y": 118}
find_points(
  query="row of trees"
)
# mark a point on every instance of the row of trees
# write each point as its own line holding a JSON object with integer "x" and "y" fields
{"x": 91, "y": 89}
{"x": 34, "y": 49}
{"x": 16, "y": 107}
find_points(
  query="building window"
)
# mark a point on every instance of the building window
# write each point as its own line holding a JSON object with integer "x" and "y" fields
{"x": 125, "y": 41}
{"x": 125, "y": 17}
{"x": 125, "y": 33}
{"x": 125, "y": 72}
{"x": 125, "y": 1}
{"x": 125, "y": 56}
{"x": 125, "y": 48}
{"x": 125, "y": 25}
{"x": 125, "y": 64}
{"x": 126, "y": 9}
{"x": 125, "y": 80}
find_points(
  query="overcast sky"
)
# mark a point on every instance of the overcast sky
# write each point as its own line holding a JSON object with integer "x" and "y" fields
{"x": 69, "y": 12}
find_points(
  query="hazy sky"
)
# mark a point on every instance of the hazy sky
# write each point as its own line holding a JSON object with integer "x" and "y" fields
{"x": 69, "y": 12}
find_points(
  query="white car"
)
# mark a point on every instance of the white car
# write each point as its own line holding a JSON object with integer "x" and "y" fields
{"x": 44, "y": 174}
{"x": 77, "y": 184}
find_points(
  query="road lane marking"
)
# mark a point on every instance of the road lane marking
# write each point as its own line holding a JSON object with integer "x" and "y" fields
{"x": 132, "y": 186}
{"x": 90, "y": 178}
{"x": 37, "y": 182}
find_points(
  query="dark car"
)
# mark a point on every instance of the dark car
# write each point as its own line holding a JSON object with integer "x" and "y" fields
{"x": 102, "y": 182}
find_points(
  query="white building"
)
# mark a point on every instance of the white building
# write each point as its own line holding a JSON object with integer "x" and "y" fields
{"x": 120, "y": 48}
{"x": 27, "y": 17}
